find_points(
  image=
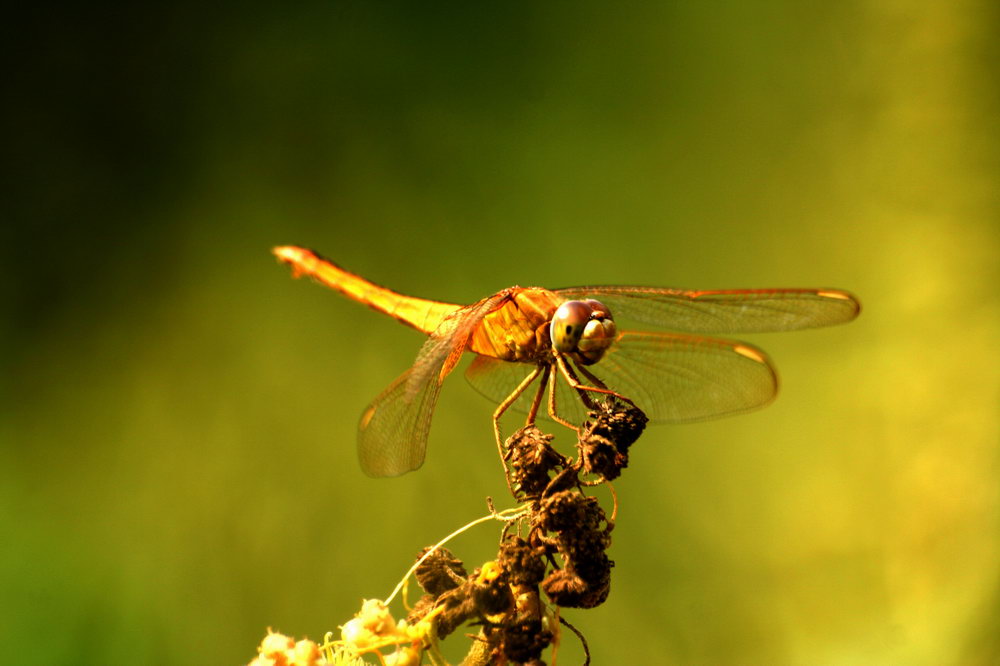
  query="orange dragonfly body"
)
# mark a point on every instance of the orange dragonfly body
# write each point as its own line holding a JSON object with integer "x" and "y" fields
{"x": 521, "y": 334}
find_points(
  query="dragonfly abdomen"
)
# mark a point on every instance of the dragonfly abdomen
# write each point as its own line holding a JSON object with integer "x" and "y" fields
{"x": 420, "y": 313}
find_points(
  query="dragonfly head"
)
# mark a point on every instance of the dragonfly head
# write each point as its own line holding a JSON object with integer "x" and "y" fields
{"x": 584, "y": 329}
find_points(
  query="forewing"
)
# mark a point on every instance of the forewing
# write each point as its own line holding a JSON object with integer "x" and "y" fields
{"x": 724, "y": 311}
{"x": 392, "y": 433}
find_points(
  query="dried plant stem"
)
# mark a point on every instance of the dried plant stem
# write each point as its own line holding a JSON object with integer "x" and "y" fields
{"x": 505, "y": 515}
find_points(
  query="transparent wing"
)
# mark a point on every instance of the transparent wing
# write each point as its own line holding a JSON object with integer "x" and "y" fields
{"x": 725, "y": 311}
{"x": 676, "y": 378}
{"x": 392, "y": 433}
{"x": 496, "y": 380}
{"x": 673, "y": 378}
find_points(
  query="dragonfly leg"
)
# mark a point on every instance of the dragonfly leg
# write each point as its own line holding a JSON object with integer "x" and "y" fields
{"x": 539, "y": 394}
{"x": 503, "y": 407}
{"x": 575, "y": 383}
{"x": 552, "y": 405}
{"x": 591, "y": 376}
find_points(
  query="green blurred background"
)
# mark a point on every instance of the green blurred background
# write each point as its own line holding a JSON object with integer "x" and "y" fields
{"x": 177, "y": 463}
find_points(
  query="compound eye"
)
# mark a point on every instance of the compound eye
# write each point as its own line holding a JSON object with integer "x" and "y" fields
{"x": 568, "y": 324}
{"x": 598, "y": 310}
{"x": 599, "y": 335}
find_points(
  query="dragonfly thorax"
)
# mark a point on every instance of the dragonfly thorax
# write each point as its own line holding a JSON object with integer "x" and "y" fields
{"x": 583, "y": 329}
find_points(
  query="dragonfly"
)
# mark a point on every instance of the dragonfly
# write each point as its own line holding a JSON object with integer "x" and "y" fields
{"x": 568, "y": 340}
